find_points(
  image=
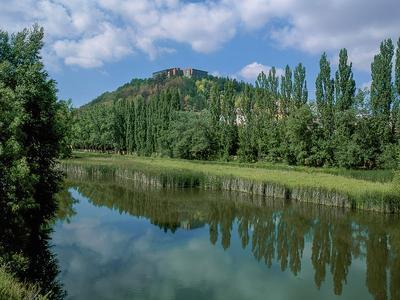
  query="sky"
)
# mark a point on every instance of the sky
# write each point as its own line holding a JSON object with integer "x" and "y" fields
{"x": 93, "y": 46}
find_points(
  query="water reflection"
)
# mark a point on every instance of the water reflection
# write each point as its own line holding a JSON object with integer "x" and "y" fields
{"x": 275, "y": 233}
{"x": 28, "y": 255}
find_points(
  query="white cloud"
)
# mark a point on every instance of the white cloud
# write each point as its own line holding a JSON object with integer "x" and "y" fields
{"x": 315, "y": 26}
{"x": 111, "y": 44}
{"x": 251, "y": 71}
{"x": 77, "y": 34}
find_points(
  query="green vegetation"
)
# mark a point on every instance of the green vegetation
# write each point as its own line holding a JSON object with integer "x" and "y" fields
{"x": 272, "y": 121}
{"x": 12, "y": 289}
{"x": 362, "y": 193}
{"x": 31, "y": 140}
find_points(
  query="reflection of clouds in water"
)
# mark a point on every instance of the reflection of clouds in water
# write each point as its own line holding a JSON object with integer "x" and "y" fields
{"x": 108, "y": 262}
{"x": 87, "y": 234}
{"x": 106, "y": 255}
{"x": 105, "y": 262}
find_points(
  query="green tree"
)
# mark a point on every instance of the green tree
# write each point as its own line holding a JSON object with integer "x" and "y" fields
{"x": 324, "y": 100}
{"x": 286, "y": 91}
{"x": 396, "y": 110}
{"x": 190, "y": 136}
{"x": 140, "y": 125}
{"x": 347, "y": 152}
{"x": 119, "y": 124}
{"x": 299, "y": 136}
{"x": 214, "y": 107}
{"x": 345, "y": 86}
{"x": 382, "y": 91}
{"x": 65, "y": 122}
{"x": 247, "y": 130}
{"x": 300, "y": 92}
{"x": 30, "y": 144}
{"x": 272, "y": 92}
{"x": 229, "y": 137}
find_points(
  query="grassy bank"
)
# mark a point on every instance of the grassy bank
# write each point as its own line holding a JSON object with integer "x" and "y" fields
{"x": 12, "y": 289}
{"x": 324, "y": 186}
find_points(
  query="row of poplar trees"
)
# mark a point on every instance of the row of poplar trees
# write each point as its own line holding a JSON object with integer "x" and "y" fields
{"x": 272, "y": 120}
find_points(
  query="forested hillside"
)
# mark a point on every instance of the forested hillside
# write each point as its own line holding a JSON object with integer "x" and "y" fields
{"x": 273, "y": 120}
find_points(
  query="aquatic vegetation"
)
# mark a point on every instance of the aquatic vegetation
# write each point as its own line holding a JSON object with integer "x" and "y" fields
{"x": 304, "y": 186}
{"x": 12, "y": 289}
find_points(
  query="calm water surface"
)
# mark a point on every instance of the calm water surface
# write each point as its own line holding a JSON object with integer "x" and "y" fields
{"x": 121, "y": 240}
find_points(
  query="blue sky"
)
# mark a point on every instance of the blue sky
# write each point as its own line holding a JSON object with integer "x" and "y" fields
{"x": 95, "y": 46}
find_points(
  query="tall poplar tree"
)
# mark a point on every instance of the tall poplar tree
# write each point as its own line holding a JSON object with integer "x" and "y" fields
{"x": 345, "y": 86}
{"x": 247, "y": 142}
{"x": 286, "y": 91}
{"x": 345, "y": 149}
{"x": 397, "y": 90}
{"x": 300, "y": 92}
{"x": 324, "y": 98}
{"x": 397, "y": 69}
{"x": 119, "y": 124}
{"x": 229, "y": 138}
{"x": 382, "y": 91}
{"x": 214, "y": 106}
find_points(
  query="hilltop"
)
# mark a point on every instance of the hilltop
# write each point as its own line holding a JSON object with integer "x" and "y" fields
{"x": 193, "y": 91}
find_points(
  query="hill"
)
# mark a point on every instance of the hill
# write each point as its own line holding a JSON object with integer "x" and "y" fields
{"x": 193, "y": 92}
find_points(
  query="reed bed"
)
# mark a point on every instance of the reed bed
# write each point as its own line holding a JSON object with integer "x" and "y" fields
{"x": 12, "y": 289}
{"x": 303, "y": 186}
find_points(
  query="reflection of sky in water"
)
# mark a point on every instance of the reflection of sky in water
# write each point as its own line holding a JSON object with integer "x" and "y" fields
{"x": 107, "y": 255}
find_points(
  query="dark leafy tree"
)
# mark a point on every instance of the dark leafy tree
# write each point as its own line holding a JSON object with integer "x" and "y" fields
{"x": 31, "y": 139}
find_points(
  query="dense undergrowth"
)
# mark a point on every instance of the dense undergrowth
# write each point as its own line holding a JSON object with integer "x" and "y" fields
{"x": 12, "y": 289}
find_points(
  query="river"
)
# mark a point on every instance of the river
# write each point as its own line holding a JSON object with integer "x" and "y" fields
{"x": 121, "y": 239}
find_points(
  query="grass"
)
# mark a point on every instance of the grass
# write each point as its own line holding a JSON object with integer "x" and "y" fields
{"x": 364, "y": 189}
{"x": 12, "y": 289}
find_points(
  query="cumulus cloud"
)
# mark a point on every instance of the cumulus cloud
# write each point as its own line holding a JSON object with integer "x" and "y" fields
{"x": 251, "y": 71}
{"x": 110, "y": 44}
{"x": 89, "y": 33}
{"x": 314, "y": 26}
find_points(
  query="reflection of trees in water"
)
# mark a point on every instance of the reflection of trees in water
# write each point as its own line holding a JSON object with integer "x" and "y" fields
{"x": 394, "y": 263}
{"x": 377, "y": 261}
{"x": 29, "y": 257}
{"x": 25, "y": 246}
{"x": 275, "y": 232}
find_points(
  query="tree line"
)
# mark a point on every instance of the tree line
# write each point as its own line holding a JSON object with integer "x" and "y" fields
{"x": 272, "y": 120}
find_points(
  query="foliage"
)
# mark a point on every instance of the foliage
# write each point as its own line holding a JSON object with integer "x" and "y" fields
{"x": 270, "y": 121}
{"x": 32, "y": 127}
{"x": 12, "y": 289}
{"x": 190, "y": 137}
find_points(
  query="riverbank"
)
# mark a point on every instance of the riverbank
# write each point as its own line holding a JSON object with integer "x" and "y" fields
{"x": 12, "y": 289}
{"x": 314, "y": 185}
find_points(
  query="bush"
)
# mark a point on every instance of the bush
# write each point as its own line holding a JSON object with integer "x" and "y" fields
{"x": 389, "y": 157}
